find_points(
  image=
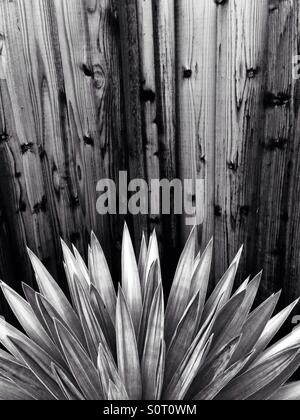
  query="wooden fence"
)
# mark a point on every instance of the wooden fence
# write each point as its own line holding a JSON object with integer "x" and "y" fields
{"x": 163, "y": 89}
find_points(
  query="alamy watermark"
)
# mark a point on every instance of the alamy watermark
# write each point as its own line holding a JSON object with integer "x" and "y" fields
{"x": 158, "y": 197}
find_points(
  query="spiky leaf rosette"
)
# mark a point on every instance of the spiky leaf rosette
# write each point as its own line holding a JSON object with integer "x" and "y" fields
{"x": 128, "y": 346}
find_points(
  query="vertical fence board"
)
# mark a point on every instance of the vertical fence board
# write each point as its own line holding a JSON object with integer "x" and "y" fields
{"x": 131, "y": 77}
{"x": 291, "y": 270}
{"x": 278, "y": 247}
{"x": 103, "y": 34}
{"x": 87, "y": 143}
{"x": 196, "y": 58}
{"x": 61, "y": 123}
{"x": 242, "y": 35}
{"x": 21, "y": 171}
{"x": 149, "y": 99}
{"x": 164, "y": 42}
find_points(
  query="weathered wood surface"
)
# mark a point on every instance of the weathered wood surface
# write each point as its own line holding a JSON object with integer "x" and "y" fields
{"x": 278, "y": 235}
{"x": 241, "y": 52}
{"x": 196, "y": 100}
{"x": 60, "y": 85}
{"x": 162, "y": 88}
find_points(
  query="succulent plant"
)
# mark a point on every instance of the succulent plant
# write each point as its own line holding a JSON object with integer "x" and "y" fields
{"x": 128, "y": 346}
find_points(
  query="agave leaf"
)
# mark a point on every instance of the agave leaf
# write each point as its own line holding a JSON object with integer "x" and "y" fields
{"x": 187, "y": 371}
{"x": 290, "y": 392}
{"x": 203, "y": 337}
{"x": 213, "y": 389}
{"x": 11, "y": 392}
{"x": 160, "y": 371}
{"x": 252, "y": 289}
{"x": 127, "y": 351}
{"x": 154, "y": 280}
{"x": 202, "y": 270}
{"x": 72, "y": 269}
{"x": 234, "y": 315}
{"x": 243, "y": 286}
{"x": 131, "y": 281}
{"x": 108, "y": 372}
{"x": 279, "y": 380}
{"x": 142, "y": 260}
{"x": 254, "y": 380}
{"x": 79, "y": 363}
{"x": 104, "y": 372}
{"x": 49, "y": 314}
{"x": 180, "y": 291}
{"x": 182, "y": 339}
{"x": 224, "y": 288}
{"x": 152, "y": 256}
{"x": 29, "y": 322}
{"x": 209, "y": 372}
{"x": 114, "y": 393}
{"x": 290, "y": 341}
{"x": 91, "y": 352}
{"x": 8, "y": 332}
{"x": 30, "y": 296}
{"x": 254, "y": 327}
{"x": 50, "y": 289}
{"x": 91, "y": 328}
{"x": 21, "y": 376}
{"x": 200, "y": 282}
{"x": 10, "y": 358}
{"x": 272, "y": 329}
{"x": 103, "y": 318}
{"x": 39, "y": 362}
{"x": 101, "y": 277}
{"x": 81, "y": 265}
{"x": 152, "y": 350}
{"x": 67, "y": 387}
{"x": 229, "y": 323}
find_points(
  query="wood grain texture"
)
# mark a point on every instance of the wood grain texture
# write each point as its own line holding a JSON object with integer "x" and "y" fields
{"x": 149, "y": 99}
{"x": 105, "y": 62}
{"x": 165, "y": 70}
{"x": 128, "y": 13}
{"x": 278, "y": 245}
{"x": 241, "y": 52}
{"x": 21, "y": 168}
{"x": 196, "y": 86}
{"x": 197, "y": 89}
{"x": 60, "y": 86}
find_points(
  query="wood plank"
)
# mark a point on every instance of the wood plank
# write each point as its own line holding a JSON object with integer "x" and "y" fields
{"x": 149, "y": 98}
{"x": 61, "y": 123}
{"x": 131, "y": 77}
{"x": 241, "y": 54}
{"x": 21, "y": 170}
{"x": 279, "y": 228}
{"x": 196, "y": 69}
{"x": 87, "y": 145}
{"x": 105, "y": 62}
{"x": 165, "y": 60}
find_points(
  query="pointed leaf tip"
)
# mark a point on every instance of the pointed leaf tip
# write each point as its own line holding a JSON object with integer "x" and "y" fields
{"x": 130, "y": 279}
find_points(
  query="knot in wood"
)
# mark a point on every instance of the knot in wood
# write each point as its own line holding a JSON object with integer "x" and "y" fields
{"x": 187, "y": 73}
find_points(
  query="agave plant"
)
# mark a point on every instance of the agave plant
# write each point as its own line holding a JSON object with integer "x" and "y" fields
{"x": 127, "y": 346}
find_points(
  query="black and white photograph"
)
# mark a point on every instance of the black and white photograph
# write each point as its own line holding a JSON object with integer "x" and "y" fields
{"x": 149, "y": 203}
